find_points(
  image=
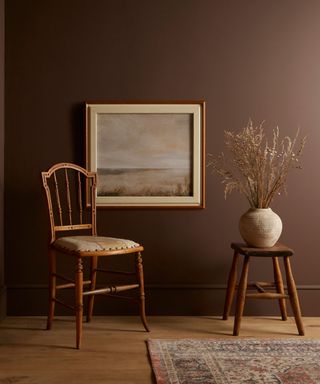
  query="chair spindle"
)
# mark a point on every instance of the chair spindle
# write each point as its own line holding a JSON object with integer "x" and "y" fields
{"x": 68, "y": 196}
{"x": 58, "y": 197}
{"x": 80, "y": 197}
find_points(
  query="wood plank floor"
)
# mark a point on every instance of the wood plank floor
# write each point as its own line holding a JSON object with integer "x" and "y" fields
{"x": 114, "y": 348}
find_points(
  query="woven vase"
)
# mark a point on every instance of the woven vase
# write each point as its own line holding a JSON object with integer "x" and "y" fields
{"x": 260, "y": 227}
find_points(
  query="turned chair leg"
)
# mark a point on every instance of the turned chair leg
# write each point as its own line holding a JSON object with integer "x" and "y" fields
{"x": 52, "y": 287}
{"x": 279, "y": 287}
{"x": 139, "y": 270}
{"x": 231, "y": 286}
{"x": 292, "y": 290}
{"x": 79, "y": 301}
{"x": 93, "y": 278}
{"x": 241, "y": 296}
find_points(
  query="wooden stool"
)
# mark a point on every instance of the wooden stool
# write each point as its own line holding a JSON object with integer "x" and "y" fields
{"x": 278, "y": 250}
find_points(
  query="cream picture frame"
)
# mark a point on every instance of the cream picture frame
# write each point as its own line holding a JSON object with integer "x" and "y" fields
{"x": 147, "y": 154}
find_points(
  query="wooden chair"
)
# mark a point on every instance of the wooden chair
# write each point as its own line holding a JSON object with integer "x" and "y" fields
{"x": 71, "y": 196}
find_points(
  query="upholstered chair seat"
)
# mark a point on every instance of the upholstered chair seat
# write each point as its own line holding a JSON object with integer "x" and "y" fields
{"x": 82, "y": 244}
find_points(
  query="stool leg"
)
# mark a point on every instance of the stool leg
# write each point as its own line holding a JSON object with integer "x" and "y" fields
{"x": 241, "y": 296}
{"x": 292, "y": 290}
{"x": 231, "y": 286}
{"x": 279, "y": 286}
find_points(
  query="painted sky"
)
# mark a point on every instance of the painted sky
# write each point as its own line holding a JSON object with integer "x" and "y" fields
{"x": 137, "y": 140}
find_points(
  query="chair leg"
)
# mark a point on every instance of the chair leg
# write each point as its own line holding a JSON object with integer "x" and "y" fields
{"x": 241, "y": 297}
{"x": 93, "y": 278}
{"x": 292, "y": 290}
{"x": 139, "y": 269}
{"x": 279, "y": 286}
{"x": 231, "y": 286}
{"x": 52, "y": 287}
{"x": 79, "y": 301}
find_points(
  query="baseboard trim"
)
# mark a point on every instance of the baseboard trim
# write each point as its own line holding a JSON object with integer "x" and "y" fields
{"x": 162, "y": 299}
{"x": 302, "y": 287}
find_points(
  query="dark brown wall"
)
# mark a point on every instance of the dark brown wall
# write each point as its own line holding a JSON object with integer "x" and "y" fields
{"x": 248, "y": 58}
{"x": 2, "y": 286}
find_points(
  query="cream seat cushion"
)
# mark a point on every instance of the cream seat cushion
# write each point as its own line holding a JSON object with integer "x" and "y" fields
{"x": 93, "y": 243}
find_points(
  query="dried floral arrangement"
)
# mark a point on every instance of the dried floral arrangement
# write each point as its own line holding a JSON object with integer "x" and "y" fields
{"x": 257, "y": 168}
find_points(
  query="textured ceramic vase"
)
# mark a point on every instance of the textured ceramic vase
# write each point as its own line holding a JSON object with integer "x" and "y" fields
{"x": 260, "y": 227}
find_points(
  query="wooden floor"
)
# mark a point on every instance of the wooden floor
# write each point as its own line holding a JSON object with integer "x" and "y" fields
{"x": 114, "y": 348}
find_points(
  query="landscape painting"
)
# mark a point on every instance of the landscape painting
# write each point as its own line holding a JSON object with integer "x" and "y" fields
{"x": 144, "y": 154}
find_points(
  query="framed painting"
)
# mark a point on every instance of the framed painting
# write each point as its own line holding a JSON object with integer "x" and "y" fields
{"x": 147, "y": 154}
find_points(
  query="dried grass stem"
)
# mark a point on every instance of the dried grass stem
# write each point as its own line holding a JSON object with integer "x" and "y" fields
{"x": 256, "y": 168}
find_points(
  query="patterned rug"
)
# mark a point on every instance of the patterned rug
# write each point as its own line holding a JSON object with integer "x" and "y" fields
{"x": 249, "y": 361}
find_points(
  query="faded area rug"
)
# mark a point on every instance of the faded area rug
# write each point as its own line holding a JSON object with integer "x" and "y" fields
{"x": 249, "y": 361}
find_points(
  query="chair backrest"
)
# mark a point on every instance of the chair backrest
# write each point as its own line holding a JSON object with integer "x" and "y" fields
{"x": 71, "y": 198}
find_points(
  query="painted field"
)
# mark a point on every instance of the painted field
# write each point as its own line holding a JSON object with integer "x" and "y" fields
{"x": 144, "y": 182}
